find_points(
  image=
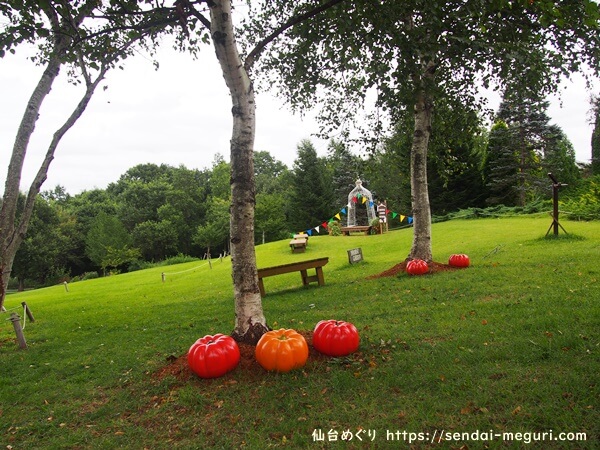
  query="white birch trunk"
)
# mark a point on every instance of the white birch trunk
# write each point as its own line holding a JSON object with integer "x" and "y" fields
{"x": 421, "y": 246}
{"x": 9, "y": 238}
{"x": 250, "y": 322}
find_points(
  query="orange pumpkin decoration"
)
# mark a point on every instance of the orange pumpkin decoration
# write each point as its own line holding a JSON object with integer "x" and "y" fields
{"x": 281, "y": 350}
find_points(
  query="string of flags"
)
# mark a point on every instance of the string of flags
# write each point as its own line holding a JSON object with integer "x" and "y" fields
{"x": 344, "y": 211}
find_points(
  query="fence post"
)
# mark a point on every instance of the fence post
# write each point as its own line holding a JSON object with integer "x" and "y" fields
{"x": 28, "y": 312}
{"x": 16, "y": 320}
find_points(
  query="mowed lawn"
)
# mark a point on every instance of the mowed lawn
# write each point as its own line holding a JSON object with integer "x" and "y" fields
{"x": 503, "y": 354}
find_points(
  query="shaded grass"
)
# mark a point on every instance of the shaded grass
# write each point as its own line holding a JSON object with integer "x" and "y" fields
{"x": 510, "y": 344}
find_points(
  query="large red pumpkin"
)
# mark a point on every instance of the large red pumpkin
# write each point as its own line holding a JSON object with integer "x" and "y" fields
{"x": 335, "y": 338}
{"x": 459, "y": 260}
{"x": 417, "y": 267}
{"x": 213, "y": 356}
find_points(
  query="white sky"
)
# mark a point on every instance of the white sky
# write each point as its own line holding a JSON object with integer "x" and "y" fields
{"x": 179, "y": 114}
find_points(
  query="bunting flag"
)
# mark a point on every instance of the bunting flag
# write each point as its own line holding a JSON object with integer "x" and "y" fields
{"x": 325, "y": 225}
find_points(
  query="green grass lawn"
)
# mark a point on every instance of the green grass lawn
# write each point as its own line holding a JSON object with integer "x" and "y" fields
{"x": 509, "y": 345}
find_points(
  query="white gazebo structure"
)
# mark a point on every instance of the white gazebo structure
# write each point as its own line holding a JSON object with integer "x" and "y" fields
{"x": 360, "y": 195}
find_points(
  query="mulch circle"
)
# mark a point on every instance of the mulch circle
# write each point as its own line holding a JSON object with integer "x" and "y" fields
{"x": 178, "y": 366}
{"x": 434, "y": 267}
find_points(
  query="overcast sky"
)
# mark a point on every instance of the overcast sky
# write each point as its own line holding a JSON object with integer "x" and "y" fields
{"x": 177, "y": 115}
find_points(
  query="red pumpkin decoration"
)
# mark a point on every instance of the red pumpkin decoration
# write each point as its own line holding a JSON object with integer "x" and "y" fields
{"x": 335, "y": 338}
{"x": 213, "y": 356}
{"x": 281, "y": 350}
{"x": 417, "y": 267}
{"x": 459, "y": 260}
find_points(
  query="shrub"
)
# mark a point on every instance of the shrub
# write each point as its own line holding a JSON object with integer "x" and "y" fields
{"x": 583, "y": 203}
{"x": 335, "y": 228}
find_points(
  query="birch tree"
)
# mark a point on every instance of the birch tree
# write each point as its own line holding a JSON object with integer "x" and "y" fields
{"x": 409, "y": 54}
{"x": 250, "y": 321}
{"x": 88, "y": 37}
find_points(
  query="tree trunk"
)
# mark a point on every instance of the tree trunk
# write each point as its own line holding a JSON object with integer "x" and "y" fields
{"x": 10, "y": 239}
{"x": 250, "y": 322}
{"x": 421, "y": 246}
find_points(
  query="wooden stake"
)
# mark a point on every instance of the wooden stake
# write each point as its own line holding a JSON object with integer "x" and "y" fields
{"x": 16, "y": 320}
{"x": 28, "y": 312}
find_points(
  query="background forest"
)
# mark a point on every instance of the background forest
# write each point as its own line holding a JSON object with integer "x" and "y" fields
{"x": 153, "y": 214}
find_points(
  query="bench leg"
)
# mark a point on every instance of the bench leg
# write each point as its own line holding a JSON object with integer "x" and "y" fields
{"x": 304, "y": 275}
{"x": 320, "y": 277}
{"x": 261, "y": 287}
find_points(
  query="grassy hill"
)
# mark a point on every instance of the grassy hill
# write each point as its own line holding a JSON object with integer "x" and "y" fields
{"x": 509, "y": 345}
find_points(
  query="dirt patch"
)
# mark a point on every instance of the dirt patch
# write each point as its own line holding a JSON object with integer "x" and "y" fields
{"x": 179, "y": 368}
{"x": 434, "y": 267}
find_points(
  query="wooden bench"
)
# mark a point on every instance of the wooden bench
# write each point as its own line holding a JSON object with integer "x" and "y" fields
{"x": 301, "y": 267}
{"x": 298, "y": 245}
{"x": 362, "y": 229}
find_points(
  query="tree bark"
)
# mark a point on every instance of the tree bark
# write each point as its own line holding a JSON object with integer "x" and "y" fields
{"x": 250, "y": 322}
{"x": 421, "y": 246}
{"x": 9, "y": 238}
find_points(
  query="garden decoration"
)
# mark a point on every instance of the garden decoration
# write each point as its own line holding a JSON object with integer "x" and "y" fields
{"x": 360, "y": 193}
{"x": 417, "y": 267}
{"x": 459, "y": 260}
{"x": 281, "y": 350}
{"x": 213, "y": 356}
{"x": 555, "y": 223}
{"x": 335, "y": 338}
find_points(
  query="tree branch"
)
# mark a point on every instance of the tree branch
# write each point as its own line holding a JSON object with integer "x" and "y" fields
{"x": 255, "y": 53}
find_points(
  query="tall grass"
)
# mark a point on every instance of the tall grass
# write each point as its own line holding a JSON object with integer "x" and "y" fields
{"x": 510, "y": 344}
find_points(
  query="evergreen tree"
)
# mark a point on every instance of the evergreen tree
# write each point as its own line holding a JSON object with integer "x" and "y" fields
{"x": 311, "y": 197}
{"x": 559, "y": 156}
{"x": 501, "y": 167}
{"x": 345, "y": 169}
{"x": 524, "y": 150}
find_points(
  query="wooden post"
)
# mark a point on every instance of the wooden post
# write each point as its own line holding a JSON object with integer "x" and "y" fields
{"x": 163, "y": 276}
{"x": 16, "y": 320}
{"x": 28, "y": 312}
{"x": 555, "y": 223}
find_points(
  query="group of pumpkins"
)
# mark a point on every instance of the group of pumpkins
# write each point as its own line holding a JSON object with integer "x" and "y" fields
{"x": 277, "y": 350}
{"x": 420, "y": 267}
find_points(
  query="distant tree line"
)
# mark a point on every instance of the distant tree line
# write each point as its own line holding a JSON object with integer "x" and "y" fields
{"x": 155, "y": 212}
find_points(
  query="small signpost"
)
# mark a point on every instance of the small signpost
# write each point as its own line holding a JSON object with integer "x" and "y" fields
{"x": 355, "y": 255}
{"x": 555, "y": 223}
